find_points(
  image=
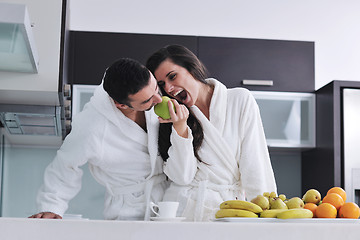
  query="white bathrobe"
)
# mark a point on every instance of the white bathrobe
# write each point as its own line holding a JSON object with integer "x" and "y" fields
{"x": 121, "y": 156}
{"x": 234, "y": 152}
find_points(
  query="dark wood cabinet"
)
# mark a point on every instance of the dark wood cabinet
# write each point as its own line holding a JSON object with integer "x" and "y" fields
{"x": 289, "y": 64}
{"x": 93, "y": 52}
{"x": 323, "y": 166}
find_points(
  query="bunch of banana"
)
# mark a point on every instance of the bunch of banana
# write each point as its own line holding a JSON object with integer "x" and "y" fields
{"x": 240, "y": 204}
{"x": 238, "y": 208}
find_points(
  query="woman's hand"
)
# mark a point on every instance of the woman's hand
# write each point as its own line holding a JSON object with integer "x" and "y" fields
{"x": 48, "y": 215}
{"x": 178, "y": 118}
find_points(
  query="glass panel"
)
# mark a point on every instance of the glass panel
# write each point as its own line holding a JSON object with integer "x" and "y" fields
{"x": 11, "y": 124}
{"x": 17, "y": 46}
{"x": 7, "y": 31}
{"x": 38, "y": 120}
{"x": 14, "y": 52}
{"x": 38, "y": 130}
{"x": 288, "y": 118}
{"x": 81, "y": 96}
{"x": 15, "y": 130}
{"x": 84, "y": 98}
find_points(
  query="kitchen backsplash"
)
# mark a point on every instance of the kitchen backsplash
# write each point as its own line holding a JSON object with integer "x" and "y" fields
{"x": 24, "y": 169}
{"x": 23, "y": 176}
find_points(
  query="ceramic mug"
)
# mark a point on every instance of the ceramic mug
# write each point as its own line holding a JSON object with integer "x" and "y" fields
{"x": 164, "y": 209}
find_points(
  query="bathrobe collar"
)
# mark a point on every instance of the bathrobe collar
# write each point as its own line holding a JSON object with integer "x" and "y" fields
{"x": 219, "y": 98}
{"x": 105, "y": 105}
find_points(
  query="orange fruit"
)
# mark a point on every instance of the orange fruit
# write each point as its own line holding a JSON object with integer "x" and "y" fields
{"x": 339, "y": 191}
{"x": 349, "y": 210}
{"x": 326, "y": 210}
{"x": 311, "y": 206}
{"x": 334, "y": 199}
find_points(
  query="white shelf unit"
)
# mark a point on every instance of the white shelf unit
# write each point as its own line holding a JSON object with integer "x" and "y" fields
{"x": 81, "y": 96}
{"x": 288, "y": 118}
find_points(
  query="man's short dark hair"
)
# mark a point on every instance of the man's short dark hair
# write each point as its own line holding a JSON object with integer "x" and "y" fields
{"x": 125, "y": 77}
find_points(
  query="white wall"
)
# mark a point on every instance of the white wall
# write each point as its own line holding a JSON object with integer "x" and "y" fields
{"x": 331, "y": 24}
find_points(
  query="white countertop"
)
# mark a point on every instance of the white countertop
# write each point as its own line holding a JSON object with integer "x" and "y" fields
{"x": 39, "y": 229}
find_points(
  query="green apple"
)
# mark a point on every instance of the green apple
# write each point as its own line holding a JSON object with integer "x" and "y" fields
{"x": 162, "y": 109}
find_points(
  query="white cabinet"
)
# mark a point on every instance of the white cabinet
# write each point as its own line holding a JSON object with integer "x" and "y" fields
{"x": 288, "y": 118}
{"x": 41, "y": 88}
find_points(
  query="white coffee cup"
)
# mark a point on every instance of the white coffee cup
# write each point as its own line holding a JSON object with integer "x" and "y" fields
{"x": 164, "y": 209}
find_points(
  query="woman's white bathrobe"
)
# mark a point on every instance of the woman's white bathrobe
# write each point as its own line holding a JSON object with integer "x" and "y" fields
{"x": 121, "y": 156}
{"x": 234, "y": 152}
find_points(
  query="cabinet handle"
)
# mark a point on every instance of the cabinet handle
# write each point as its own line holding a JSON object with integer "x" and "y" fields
{"x": 258, "y": 82}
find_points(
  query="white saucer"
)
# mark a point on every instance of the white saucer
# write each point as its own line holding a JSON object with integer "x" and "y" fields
{"x": 162, "y": 219}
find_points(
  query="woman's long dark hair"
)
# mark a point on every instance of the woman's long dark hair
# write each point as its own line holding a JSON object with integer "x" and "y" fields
{"x": 183, "y": 57}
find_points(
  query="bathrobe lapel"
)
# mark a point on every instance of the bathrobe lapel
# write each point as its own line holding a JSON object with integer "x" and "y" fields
{"x": 213, "y": 129}
{"x": 152, "y": 125}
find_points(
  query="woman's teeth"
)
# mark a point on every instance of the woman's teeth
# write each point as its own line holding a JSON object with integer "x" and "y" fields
{"x": 177, "y": 93}
{"x": 181, "y": 95}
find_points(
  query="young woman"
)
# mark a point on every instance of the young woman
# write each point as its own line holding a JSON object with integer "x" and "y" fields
{"x": 214, "y": 147}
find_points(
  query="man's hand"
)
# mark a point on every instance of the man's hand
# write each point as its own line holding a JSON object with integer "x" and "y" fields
{"x": 48, "y": 215}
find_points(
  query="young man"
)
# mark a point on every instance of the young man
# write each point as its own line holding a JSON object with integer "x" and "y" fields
{"x": 116, "y": 134}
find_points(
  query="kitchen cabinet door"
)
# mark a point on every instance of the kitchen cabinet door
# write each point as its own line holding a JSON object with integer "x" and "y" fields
{"x": 93, "y": 52}
{"x": 288, "y": 118}
{"x": 289, "y": 65}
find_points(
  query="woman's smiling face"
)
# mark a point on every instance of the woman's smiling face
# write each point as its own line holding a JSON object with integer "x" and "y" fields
{"x": 177, "y": 82}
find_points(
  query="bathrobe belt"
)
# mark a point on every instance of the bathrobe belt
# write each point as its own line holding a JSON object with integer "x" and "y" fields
{"x": 145, "y": 186}
{"x": 201, "y": 195}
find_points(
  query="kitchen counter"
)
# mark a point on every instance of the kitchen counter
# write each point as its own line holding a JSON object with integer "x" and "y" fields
{"x": 39, "y": 229}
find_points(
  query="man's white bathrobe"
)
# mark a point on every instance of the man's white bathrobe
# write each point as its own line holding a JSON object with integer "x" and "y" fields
{"x": 121, "y": 156}
{"x": 234, "y": 152}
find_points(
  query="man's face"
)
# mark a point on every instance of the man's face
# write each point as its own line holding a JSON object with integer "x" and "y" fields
{"x": 147, "y": 97}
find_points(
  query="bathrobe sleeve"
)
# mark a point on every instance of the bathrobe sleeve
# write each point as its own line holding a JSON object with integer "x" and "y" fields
{"x": 62, "y": 177}
{"x": 255, "y": 167}
{"x": 181, "y": 166}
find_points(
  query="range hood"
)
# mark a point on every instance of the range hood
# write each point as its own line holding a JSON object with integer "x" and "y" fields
{"x": 31, "y": 119}
{"x": 33, "y": 125}
{"x": 17, "y": 45}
